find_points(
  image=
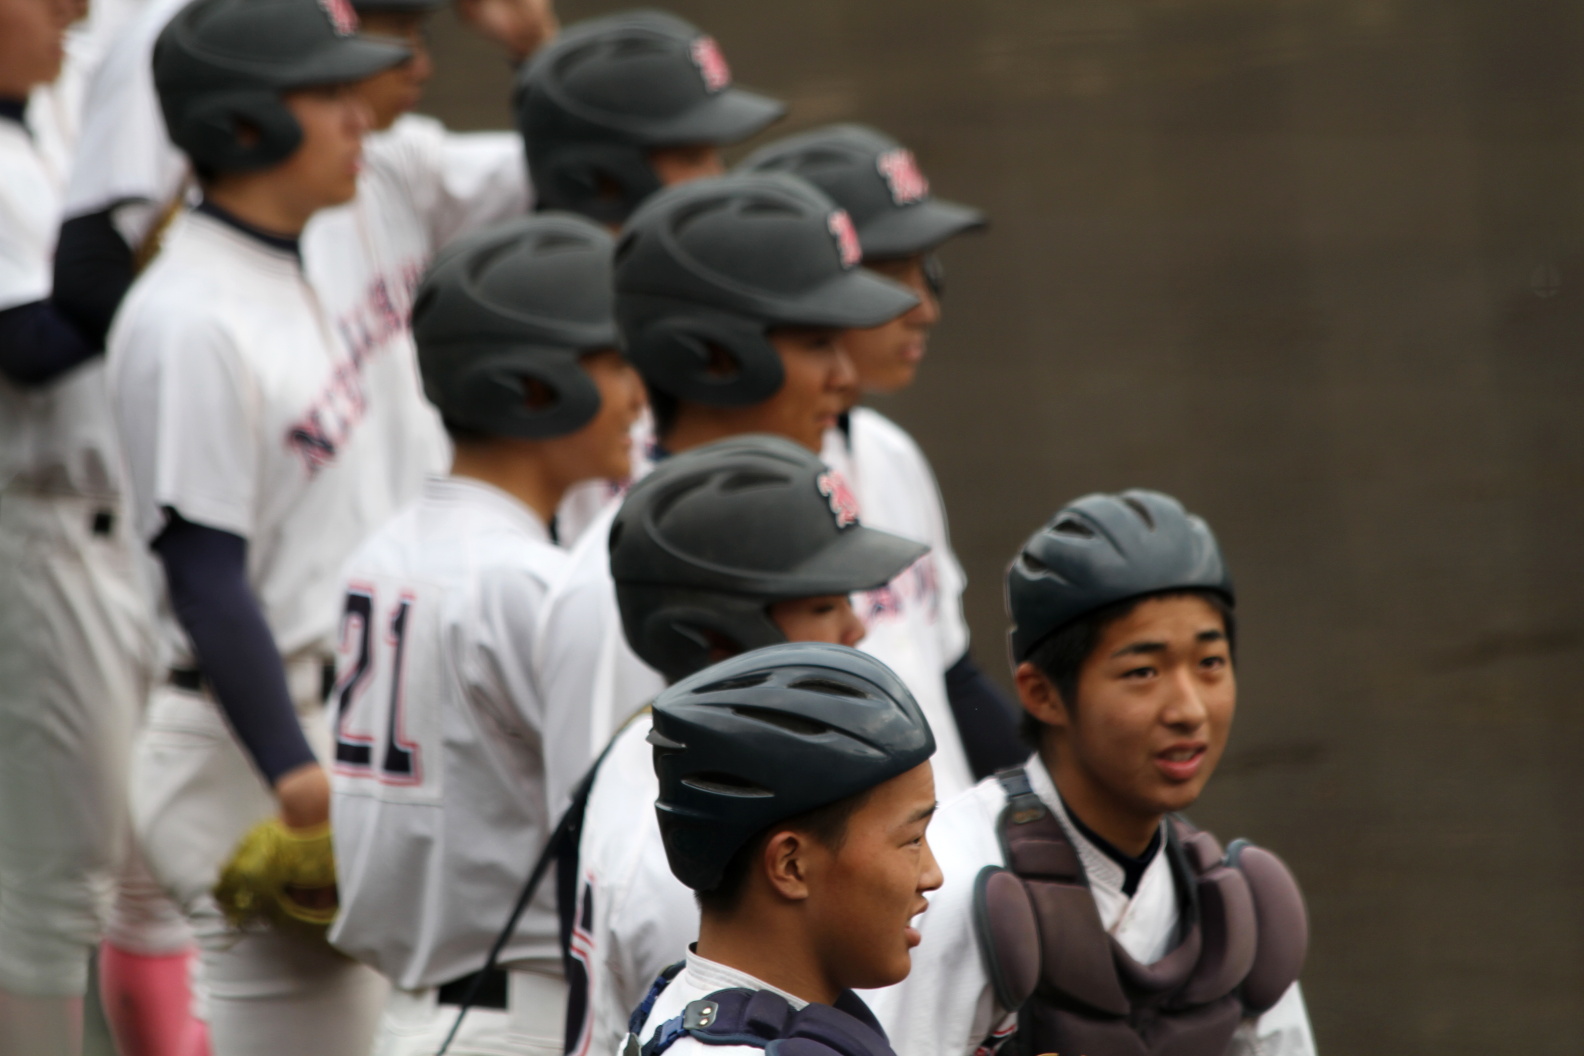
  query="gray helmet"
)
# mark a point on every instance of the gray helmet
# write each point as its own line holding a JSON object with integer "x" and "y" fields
{"x": 522, "y": 300}
{"x": 768, "y": 735}
{"x": 710, "y": 539}
{"x": 221, "y": 66}
{"x": 717, "y": 263}
{"x": 603, "y": 93}
{"x": 877, "y": 181}
{"x": 1103, "y": 549}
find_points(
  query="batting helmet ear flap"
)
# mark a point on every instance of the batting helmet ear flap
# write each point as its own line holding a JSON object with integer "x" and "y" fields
{"x": 674, "y": 630}
{"x": 491, "y": 393}
{"x": 580, "y": 177}
{"x": 713, "y": 358}
{"x": 238, "y": 131}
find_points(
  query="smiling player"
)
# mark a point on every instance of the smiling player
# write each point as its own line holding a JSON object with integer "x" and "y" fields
{"x": 1079, "y": 910}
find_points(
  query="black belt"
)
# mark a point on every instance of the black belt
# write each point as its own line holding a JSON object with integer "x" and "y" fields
{"x": 193, "y": 680}
{"x": 491, "y": 991}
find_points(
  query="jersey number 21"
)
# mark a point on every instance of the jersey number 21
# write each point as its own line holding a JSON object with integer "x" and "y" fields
{"x": 374, "y": 659}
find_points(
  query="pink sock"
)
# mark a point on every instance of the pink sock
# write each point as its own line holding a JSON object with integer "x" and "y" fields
{"x": 148, "y": 1004}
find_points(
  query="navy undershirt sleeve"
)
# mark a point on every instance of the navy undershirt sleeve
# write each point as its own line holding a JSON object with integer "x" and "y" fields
{"x": 38, "y": 345}
{"x": 93, "y": 270}
{"x": 986, "y": 719}
{"x": 206, "y": 572}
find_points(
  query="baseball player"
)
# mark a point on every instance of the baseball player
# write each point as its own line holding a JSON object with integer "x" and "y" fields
{"x": 727, "y": 548}
{"x": 420, "y": 185}
{"x": 1079, "y": 910}
{"x": 795, "y": 789}
{"x": 257, "y": 444}
{"x": 616, "y": 108}
{"x": 734, "y": 319}
{"x": 915, "y": 623}
{"x": 74, "y": 624}
{"x": 443, "y": 741}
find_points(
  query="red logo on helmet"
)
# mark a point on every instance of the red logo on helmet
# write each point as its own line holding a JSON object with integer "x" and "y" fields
{"x": 843, "y": 503}
{"x": 841, "y": 226}
{"x": 342, "y": 17}
{"x": 711, "y": 63}
{"x": 902, "y": 175}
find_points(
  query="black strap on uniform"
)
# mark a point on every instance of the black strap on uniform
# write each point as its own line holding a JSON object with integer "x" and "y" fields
{"x": 570, "y": 821}
{"x": 759, "y": 1018}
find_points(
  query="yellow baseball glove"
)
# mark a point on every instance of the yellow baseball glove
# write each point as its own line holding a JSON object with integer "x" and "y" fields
{"x": 281, "y": 878}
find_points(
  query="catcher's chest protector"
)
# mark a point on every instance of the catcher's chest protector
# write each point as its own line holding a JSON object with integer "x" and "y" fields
{"x": 764, "y": 1020}
{"x": 1242, "y": 940}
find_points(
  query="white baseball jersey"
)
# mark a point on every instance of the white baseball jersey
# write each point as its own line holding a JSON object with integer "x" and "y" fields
{"x": 439, "y": 810}
{"x": 947, "y": 1007}
{"x": 55, "y": 437}
{"x": 585, "y": 666}
{"x": 633, "y": 917}
{"x": 914, "y": 623}
{"x": 240, "y": 406}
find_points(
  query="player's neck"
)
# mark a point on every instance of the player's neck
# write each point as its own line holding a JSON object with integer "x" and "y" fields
{"x": 258, "y": 200}
{"x": 773, "y": 948}
{"x": 500, "y": 465}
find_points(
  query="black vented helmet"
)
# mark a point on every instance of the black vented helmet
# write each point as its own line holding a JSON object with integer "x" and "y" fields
{"x": 522, "y": 300}
{"x": 877, "y": 180}
{"x": 593, "y": 102}
{"x": 221, "y": 67}
{"x": 1102, "y": 549}
{"x": 768, "y": 735}
{"x": 714, "y": 536}
{"x": 717, "y": 263}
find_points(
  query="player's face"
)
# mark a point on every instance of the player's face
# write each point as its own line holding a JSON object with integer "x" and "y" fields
{"x": 864, "y": 896}
{"x": 1154, "y": 707}
{"x": 32, "y": 34}
{"x": 602, "y": 449}
{"x": 819, "y": 375}
{"x": 324, "y": 169}
{"x": 673, "y": 165}
{"x": 828, "y": 618}
{"x": 395, "y": 91}
{"x": 887, "y": 356}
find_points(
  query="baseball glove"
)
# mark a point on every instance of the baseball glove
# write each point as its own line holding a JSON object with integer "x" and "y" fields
{"x": 281, "y": 878}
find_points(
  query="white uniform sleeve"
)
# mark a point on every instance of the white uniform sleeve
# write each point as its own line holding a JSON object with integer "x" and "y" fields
{"x": 456, "y": 181}
{"x": 193, "y": 426}
{"x": 123, "y": 152}
{"x": 24, "y": 252}
{"x": 501, "y": 672}
{"x": 1283, "y": 1031}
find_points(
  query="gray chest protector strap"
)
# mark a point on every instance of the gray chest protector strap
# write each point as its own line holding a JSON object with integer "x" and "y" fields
{"x": 764, "y": 1020}
{"x": 1241, "y": 942}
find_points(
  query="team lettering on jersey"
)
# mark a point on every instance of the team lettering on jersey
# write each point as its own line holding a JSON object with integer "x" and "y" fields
{"x": 367, "y": 329}
{"x": 917, "y": 586}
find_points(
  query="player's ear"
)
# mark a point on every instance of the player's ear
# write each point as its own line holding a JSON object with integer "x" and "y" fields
{"x": 785, "y": 864}
{"x": 1039, "y": 696}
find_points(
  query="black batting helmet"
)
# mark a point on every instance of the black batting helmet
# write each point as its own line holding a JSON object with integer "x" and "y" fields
{"x": 769, "y": 735}
{"x": 710, "y": 539}
{"x": 1102, "y": 549}
{"x": 715, "y": 264}
{"x": 877, "y": 180}
{"x": 518, "y": 302}
{"x": 595, "y": 100}
{"x": 221, "y": 67}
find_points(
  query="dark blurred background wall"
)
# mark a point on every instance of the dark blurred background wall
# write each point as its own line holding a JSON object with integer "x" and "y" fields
{"x": 1317, "y": 268}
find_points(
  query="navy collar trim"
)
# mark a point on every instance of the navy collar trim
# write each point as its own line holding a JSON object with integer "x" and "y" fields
{"x": 14, "y": 110}
{"x": 1132, "y": 868}
{"x": 258, "y": 234}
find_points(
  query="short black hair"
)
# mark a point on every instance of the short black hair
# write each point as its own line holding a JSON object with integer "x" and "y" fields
{"x": 1060, "y": 655}
{"x": 827, "y": 824}
{"x": 663, "y": 406}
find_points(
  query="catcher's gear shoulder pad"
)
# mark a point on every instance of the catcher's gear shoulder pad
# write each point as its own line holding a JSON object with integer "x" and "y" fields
{"x": 765, "y": 1020}
{"x": 1048, "y": 955}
